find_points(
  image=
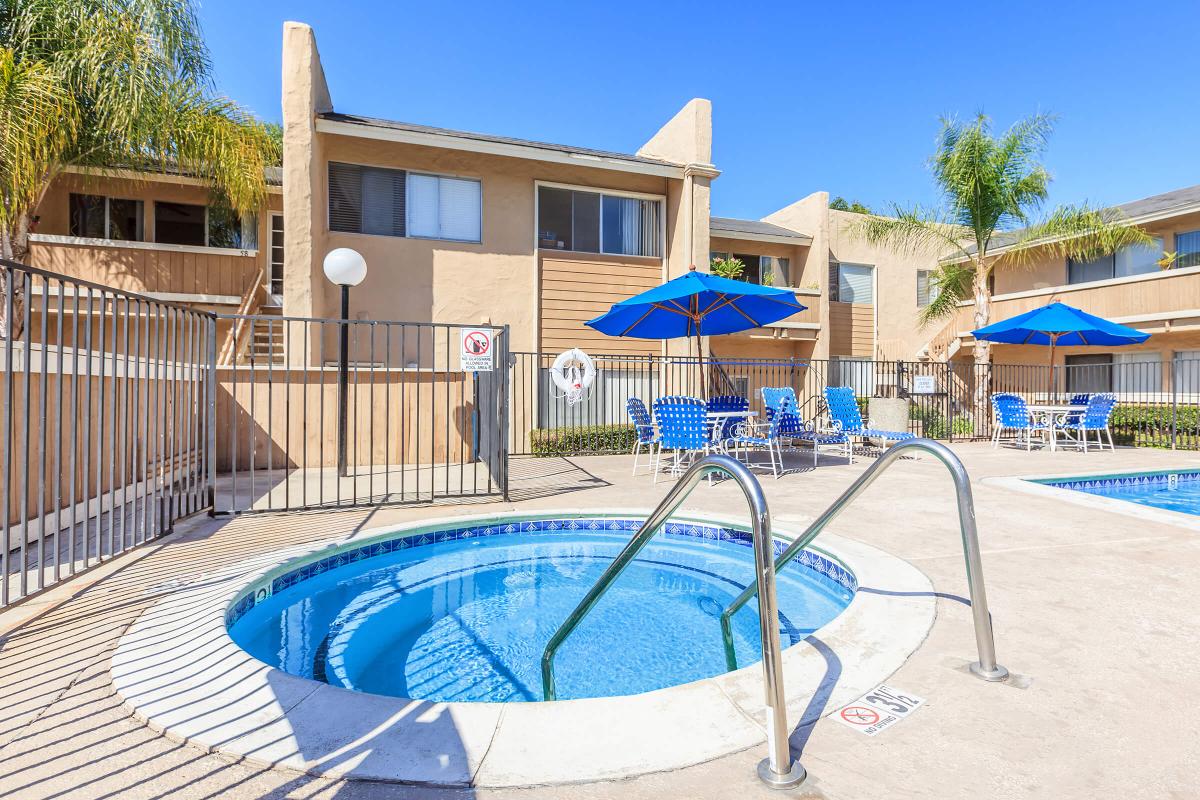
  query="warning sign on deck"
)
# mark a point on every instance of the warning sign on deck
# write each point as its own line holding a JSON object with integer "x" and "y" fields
{"x": 878, "y": 709}
{"x": 476, "y": 352}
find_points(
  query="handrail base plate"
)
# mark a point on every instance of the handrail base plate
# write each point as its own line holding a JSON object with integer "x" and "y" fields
{"x": 793, "y": 778}
{"x": 999, "y": 673}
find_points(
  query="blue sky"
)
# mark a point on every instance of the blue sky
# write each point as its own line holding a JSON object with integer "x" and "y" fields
{"x": 837, "y": 96}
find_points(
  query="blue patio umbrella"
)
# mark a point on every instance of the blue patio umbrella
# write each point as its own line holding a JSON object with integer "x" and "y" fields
{"x": 1059, "y": 324}
{"x": 697, "y": 304}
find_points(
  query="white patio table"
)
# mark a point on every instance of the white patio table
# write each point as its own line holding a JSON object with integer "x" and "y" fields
{"x": 1054, "y": 417}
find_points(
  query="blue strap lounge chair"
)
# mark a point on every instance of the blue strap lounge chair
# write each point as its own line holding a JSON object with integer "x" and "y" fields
{"x": 643, "y": 426}
{"x": 792, "y": 427}
{"x": 844, "y": 414}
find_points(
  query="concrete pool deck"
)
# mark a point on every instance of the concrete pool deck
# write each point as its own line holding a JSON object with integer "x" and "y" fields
{"x": 1094, "y": 614}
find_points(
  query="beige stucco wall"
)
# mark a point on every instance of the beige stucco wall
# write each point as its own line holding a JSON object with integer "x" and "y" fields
{"x": 810, "y": 215}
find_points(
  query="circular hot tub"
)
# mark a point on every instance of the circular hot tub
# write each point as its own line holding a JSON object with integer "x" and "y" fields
{"x": 402, "y": 653}
{"x": 462, "y": 614}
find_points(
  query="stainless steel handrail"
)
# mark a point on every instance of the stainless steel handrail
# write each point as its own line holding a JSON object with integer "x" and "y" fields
{"x": 986, "y": 667}
{"x": 778, "y": 769}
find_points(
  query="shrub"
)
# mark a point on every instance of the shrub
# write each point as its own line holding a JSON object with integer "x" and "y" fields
{"x": 933, "y": 423}
{"x": 582, "y": 440}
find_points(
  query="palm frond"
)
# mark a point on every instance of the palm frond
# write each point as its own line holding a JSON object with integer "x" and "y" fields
{"x": 138, "y": 75}
{"x": 1078, "y": 232}
{"x": 952, "y": 284}
{"x": 37, "y": 122}
{"x": 913, "y": 231}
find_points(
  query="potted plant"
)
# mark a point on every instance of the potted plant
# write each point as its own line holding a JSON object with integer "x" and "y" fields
{"x": 1168, "y": 259}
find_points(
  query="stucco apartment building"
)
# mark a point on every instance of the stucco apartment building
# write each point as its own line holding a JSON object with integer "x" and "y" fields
{"x": 463, "y": 227}
{"x": 1129, "y": 286}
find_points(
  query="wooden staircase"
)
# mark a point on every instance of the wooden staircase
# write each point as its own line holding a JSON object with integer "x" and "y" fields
{"x": 266, "y": 338}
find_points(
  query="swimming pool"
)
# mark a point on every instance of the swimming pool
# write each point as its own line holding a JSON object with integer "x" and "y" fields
{"x": 463, "y": 614}
{"x": 1173, "y": 490}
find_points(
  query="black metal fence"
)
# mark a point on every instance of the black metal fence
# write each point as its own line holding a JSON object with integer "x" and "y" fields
{"x": 104, "y": 443}
{"x": 418, "y": 427}
{"x": 1158, "y": 401}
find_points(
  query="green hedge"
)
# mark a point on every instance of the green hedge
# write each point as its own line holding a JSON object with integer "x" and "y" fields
{"x": 1151, "y": 425}
{"x": 586, "y": 440}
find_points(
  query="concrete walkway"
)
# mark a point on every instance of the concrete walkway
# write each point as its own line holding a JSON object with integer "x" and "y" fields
{"x": 1094, "y": 613}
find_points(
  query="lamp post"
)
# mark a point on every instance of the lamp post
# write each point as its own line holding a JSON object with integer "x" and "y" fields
{"x": 346, "y": 268}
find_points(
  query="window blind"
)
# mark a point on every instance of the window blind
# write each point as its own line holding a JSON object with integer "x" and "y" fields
{"x": 855, "y": 284}
{"x": 345, "y": 198}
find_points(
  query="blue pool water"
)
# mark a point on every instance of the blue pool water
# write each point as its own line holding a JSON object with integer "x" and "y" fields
{"x": 467, "y": 619}
{"x": 1175, "y": 490}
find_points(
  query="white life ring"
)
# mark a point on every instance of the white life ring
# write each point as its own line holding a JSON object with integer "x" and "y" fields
{"x": 573, "y": 373}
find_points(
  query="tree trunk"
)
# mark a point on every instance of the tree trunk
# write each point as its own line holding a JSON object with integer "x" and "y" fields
{"x": 13, "y": 327}
{"x": 20, "y": 240}
{"x": 983, "y": 349}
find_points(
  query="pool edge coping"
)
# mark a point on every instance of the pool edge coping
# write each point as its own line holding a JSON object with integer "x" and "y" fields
{"x": 1034, "y": 485}
{"x": 505, "y": 758}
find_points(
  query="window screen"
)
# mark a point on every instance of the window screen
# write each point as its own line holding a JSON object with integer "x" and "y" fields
{"x": 1187, "y": 245}
{"x": 87, "y": 216}
{"x": 366, "y": 199}
{"x": 444, "y": 208}
{"x": 593, "y": 222}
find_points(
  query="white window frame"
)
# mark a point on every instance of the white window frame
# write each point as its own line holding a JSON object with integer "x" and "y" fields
{"x": 662, "y": 216}
{"x": 408, "y": 206}
{"x": 407, "y": 171}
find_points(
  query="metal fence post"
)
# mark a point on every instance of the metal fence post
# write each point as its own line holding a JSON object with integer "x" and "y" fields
{"x": 210, "y": 401}
{"x": 1174, "y": 401}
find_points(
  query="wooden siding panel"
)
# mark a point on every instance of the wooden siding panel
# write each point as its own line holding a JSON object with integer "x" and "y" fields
{"x": 577, "y": 288}
{"x": 147, "y": 270}
{"x": 851, "y": 329}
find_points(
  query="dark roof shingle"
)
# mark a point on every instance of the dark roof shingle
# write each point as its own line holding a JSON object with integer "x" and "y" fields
{"x": 731, "y": 228}
{"x": 373, "y": 122}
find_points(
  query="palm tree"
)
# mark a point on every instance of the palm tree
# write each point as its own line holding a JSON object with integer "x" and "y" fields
{"x": 989, "y": 186}
{"x": 100, "y": 84}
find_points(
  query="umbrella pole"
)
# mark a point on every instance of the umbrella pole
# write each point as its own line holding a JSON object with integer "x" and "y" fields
{"x": 1050, "y": 384}
{"x": 700, "y": 362}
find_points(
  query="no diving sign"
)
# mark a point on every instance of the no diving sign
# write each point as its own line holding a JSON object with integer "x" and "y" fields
{"x": 475, "y": 354}
{"x": 878, "y": 709}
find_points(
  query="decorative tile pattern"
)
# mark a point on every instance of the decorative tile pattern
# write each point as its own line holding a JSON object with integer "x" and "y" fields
{"x": 824, "y": 569}
{"x": 1140, "y": 479}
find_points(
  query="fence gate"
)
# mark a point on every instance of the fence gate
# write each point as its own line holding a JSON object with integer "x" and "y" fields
{"x": 104, "y": 443}
{"x": 424, "y": 414}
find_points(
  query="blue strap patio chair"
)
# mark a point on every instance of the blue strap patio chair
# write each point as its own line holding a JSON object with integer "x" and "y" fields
{"x": 1095, "y": 417}
{"x": 646, "y": 435}
{"x": 1081, "y": 400}
{"x": 682, "y": 428}
{"x": 724, "y": 428}
{"x": 1010, "y": 413}
{"x": 767, "y": 435}
{"x": 794, "y": 428}
{"x": 846, "y": 417}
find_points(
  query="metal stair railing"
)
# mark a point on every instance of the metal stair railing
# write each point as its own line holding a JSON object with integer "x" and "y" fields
{"x": 986, "y": 667}
{"x": 779, "y": 769}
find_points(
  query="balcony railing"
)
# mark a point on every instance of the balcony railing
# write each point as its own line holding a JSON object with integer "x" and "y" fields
{"x": 202, "y": 274}
{"x": 1141, "y": 300}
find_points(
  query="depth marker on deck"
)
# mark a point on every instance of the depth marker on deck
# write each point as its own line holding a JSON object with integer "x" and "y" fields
{"x": 878, "y": 709}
